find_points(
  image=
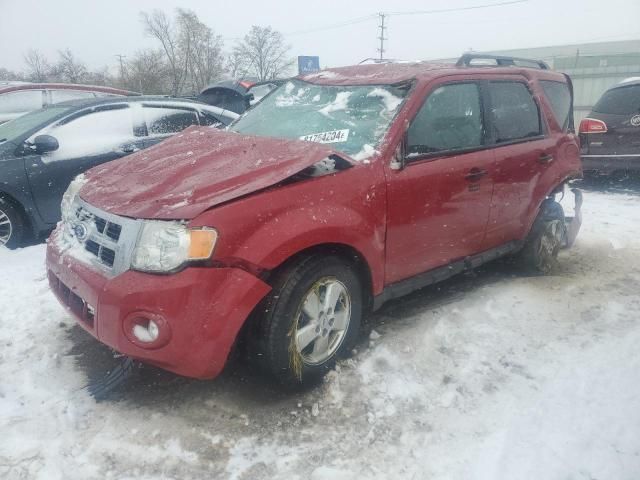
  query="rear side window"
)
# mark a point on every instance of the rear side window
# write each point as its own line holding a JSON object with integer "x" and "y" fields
{"x": 514, "y": 112}
{"x": 620, "y": 101}
{"x": 450, "y": 119}
{"x": 210, "y": 120}
{"x": 21, "y": 101}
{"x": 560, "y": 99}
{"x": 58, "y": 96}
{"x": 164, "y": 121}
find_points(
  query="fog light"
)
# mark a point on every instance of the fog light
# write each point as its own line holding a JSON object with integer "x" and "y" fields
{"x": 147, "y": 331}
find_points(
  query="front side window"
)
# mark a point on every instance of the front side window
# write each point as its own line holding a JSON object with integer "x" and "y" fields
{"x": 620, "y": 101}
{"x": 93, "y": 133}
{"x": 353, "y": 119}
{"x": 22, "y": 125}
{"x": 165, "y": 121}
{"x": 560, "y": 99}
{"x": 450, "y": 119}
{"x": 514, "y": 112}
{"x": 20, "y": 101}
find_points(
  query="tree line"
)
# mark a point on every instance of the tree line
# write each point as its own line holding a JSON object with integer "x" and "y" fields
{"x": 188, "y": 56}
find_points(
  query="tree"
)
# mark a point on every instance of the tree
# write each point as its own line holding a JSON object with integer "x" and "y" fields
{"x": 147, "y": 72}
{"x": 10, "y": 76}
{"x": 69, "y": 69}
{"x": 237, "y": 65}
{"x": 38, "y": 68}
{"x": 192, "y": 50}
{"x": 159, "y": 26}
{"x": 264, "y": 51}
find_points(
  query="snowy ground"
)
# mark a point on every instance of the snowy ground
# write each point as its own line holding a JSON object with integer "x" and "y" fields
{"x": 492, "y": 376}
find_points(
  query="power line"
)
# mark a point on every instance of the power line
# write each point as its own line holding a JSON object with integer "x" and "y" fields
{"x": 458, "y": 9}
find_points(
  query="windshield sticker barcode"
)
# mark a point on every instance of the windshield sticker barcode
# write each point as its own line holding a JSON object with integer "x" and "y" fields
{"x": 335, "y": 136}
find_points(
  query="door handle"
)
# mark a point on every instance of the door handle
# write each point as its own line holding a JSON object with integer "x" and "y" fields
{"x": 545, "y": 158}
{"x": 475, "y": 174}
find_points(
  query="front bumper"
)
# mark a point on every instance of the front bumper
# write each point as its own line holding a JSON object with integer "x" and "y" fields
{"x": 201, "y": 309}
{"x": 606, "y": 164}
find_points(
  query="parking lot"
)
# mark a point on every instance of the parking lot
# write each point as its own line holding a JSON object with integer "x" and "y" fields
{"x": 490, "y": 375}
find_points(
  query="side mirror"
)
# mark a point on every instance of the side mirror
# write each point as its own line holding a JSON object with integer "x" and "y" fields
{"x": 45, "y": 143}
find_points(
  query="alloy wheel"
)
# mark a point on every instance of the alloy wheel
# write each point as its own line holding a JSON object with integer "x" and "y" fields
{"x": 322, "y": 321}
{"x": 6, "y": 228}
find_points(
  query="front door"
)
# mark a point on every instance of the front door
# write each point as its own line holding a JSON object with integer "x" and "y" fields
{"x": 438, "y": 204}
{"x": 86, "y": 140}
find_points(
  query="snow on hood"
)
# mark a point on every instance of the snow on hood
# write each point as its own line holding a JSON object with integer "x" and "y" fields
{"x": 196, "y": 170}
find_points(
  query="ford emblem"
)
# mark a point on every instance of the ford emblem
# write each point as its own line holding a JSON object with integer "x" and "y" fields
{"x": 80, "y": 231}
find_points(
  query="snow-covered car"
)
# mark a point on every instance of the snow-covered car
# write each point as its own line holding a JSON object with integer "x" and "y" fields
{"x": 42, "y": 151}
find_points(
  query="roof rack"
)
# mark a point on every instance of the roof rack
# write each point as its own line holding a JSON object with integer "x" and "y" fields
{"x": 501, "y": 61}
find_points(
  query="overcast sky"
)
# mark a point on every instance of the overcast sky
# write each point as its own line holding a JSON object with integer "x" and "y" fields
{"x": 98, "y": 30}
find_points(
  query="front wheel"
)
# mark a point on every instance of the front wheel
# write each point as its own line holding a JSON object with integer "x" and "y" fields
{"x": 311, "y": 318}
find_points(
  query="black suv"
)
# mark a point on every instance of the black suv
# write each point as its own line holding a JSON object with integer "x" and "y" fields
{"x": 610, "y": 135}
{"x": 42, "y": 151}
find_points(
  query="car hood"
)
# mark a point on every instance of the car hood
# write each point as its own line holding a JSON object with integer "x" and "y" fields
{"x": 194, "y": 171}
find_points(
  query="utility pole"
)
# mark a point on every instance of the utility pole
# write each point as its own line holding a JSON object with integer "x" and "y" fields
{"x": 120, "y": 58}
{"x": 382, "y": 38}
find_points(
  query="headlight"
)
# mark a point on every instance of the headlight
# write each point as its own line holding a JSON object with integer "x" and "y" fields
{"x": 70, "y": 195}
{"x": 164, "y": 246}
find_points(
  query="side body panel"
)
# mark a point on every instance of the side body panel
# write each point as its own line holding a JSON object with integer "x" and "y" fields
{"x": 264, "y": 230}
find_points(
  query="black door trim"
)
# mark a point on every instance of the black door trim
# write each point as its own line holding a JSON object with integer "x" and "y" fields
{"x": 404, "y": 287}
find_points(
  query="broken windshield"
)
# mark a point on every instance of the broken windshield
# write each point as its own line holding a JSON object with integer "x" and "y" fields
{"x": 352, "y": 118}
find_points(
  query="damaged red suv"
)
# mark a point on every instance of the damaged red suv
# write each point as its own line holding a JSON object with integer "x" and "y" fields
{"x": 339, "y": 191}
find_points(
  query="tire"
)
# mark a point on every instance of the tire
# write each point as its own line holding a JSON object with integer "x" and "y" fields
{"x": 316, "y": 301}
{"x": 547, "y": 236}
{"x": 12, "y": 225}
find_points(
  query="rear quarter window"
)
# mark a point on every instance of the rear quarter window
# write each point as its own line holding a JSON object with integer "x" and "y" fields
{"x": 620, "y": 101}
{"x": 559, "y": 96}
{"x": 20, "y": 101}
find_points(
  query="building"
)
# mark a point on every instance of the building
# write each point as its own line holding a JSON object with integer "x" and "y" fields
{"x": 593, "y": 67}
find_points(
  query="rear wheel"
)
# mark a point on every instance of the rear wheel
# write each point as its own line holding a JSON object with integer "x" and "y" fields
{"x": 548, "y": 234}
{"x": 12, "y": 225}
{"x": 311, "y": 318}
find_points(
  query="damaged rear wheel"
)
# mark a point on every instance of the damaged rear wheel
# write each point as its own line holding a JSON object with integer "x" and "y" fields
{"x": 548, "y": 235}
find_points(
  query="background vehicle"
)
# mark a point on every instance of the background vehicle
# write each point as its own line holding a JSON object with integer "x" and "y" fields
{"x": 18, "y": 98}
{"x": 41, "y": 152}
{"x": 610, "y": 135}
{"x": 399, "y": 176}
{"x": 237, "y": 96}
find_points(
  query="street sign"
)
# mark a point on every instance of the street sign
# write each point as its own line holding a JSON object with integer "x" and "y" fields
{"x": 308, "y": 64}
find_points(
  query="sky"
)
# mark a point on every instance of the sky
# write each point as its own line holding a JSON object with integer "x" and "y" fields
{"x": 98, "y": 30}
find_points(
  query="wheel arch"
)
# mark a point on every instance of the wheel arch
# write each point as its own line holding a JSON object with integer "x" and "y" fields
{"x": 347, "y": 253}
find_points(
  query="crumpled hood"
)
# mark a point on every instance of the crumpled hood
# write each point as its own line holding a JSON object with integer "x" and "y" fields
{"x": 202, "y": 167}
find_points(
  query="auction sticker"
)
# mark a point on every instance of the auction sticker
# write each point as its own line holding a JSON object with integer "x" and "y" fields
{"x": 334, "y": 136}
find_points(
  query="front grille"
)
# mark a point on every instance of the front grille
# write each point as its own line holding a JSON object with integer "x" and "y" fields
{"x": 103, "y": 240}
{"x": 107, "y": 239}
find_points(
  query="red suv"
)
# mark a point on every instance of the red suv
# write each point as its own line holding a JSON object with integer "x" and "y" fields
{"x": 339, "y": 191}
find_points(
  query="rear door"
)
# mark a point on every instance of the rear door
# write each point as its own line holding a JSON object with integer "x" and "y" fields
{"x": 438, "y": 205}
{"x": 619, "y": 109}
{"x": 92, "y": 137}
{"x": 163, "y": 121}
{"x": 524, "y": 150}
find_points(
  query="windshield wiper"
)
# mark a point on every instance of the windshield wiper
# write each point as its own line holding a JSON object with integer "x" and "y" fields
{"x": 2, "y": 140}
